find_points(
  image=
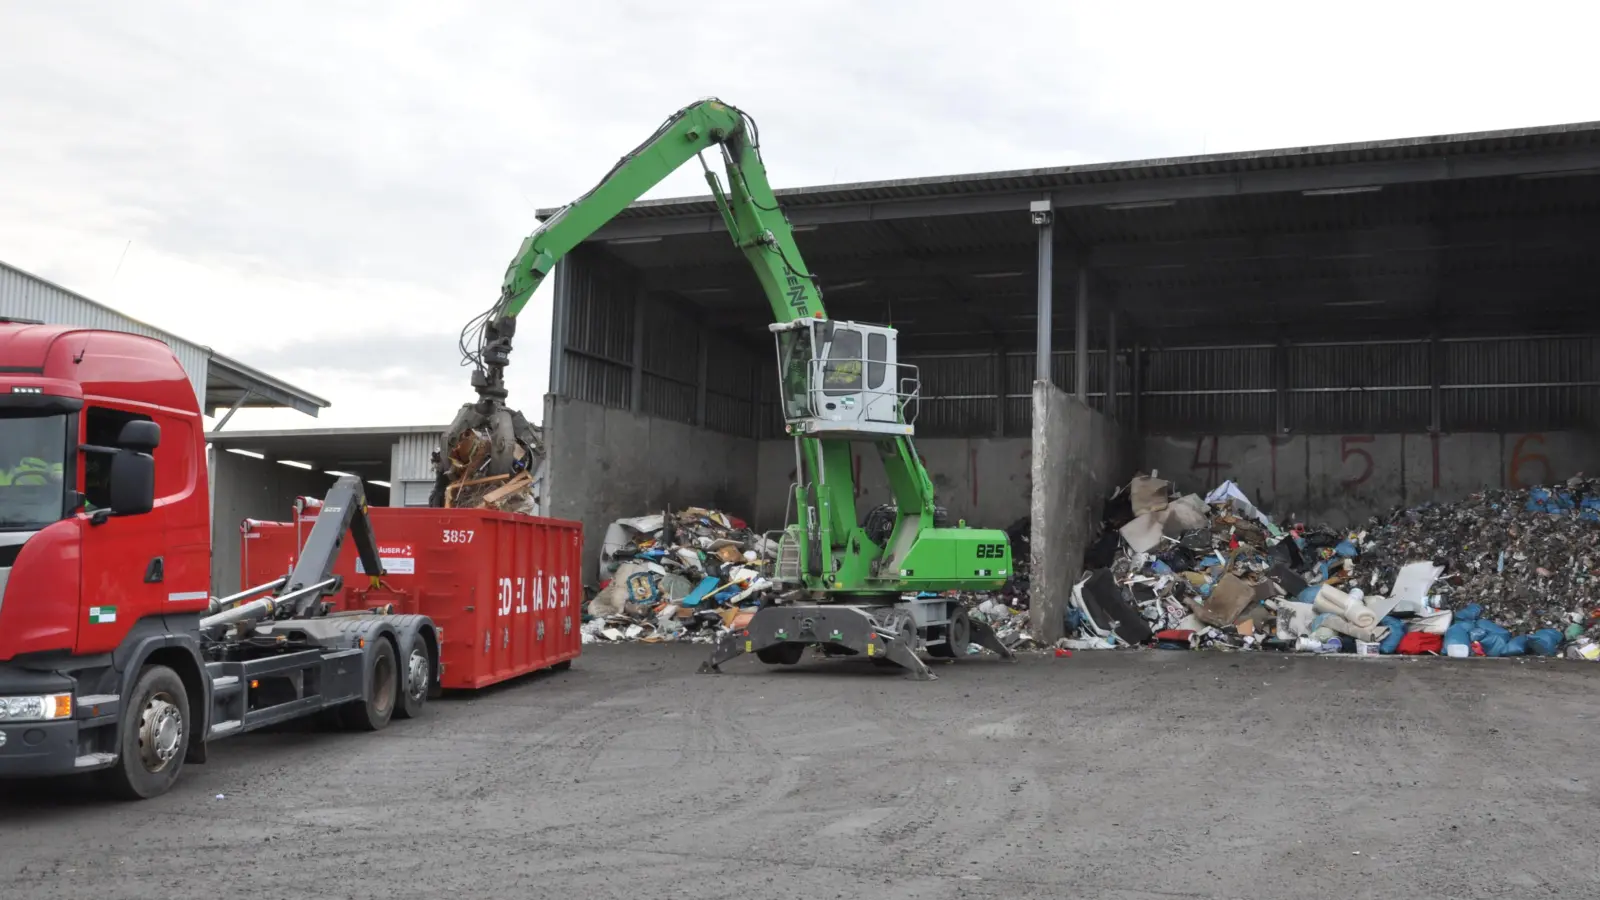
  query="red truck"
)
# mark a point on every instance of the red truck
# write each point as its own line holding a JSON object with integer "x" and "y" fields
{"x": 114, "y": 657}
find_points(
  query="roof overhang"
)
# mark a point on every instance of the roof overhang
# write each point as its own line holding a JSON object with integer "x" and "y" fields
{"x": 1523, "y": 152}
{"x": 361, "y": 451}
{"x": 231, "y": 384}
{"x": 1469, "y": 234}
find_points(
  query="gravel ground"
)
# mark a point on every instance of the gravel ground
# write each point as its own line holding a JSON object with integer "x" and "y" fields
{"x": 1114, "y": 775}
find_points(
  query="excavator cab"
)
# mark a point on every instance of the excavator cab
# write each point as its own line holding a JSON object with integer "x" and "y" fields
{"x": 844, "y": 380}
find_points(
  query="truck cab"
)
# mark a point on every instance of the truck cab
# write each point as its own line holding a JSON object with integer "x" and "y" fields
{"x": 104, "y": 538}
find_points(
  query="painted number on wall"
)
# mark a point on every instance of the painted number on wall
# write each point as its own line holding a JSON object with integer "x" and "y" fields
{"x": 1349, "y": 447}
{"x": 1520, "y": 458}
{"x": 1211, "y": 466}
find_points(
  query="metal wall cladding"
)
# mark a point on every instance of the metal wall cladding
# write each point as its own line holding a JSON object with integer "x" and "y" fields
{"x": 597, "y": 306}
{"x": 1528, "y": 384}
{"x": 1369, "y": 386}
{"x": 411, "y": 458}
{"x": 959, "y": 394}
{"x": 27, "y": 297}
{"x": 504, "y": 590}
{"x": 603, "y": 313}
{"x": 671, "y": 349}
{"x": 1519, "y": 383}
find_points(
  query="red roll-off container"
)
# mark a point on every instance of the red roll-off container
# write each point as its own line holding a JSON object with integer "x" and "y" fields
{"x": 503, "y": 589}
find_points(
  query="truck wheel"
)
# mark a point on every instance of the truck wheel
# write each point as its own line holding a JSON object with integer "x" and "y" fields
{"x": 372, "y": 713}
{"x": 151, "y": 737}
{"x": 415, "y": 679}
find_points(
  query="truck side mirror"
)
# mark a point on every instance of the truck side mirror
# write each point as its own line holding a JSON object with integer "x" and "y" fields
{"x": 140, "y": 434}
{"x": 133, "y": 481}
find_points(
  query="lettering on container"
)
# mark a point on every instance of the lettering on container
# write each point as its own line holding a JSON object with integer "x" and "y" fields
{"x": 397, "y": 559}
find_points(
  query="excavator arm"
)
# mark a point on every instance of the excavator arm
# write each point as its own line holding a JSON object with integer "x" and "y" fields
{"x": 754, "y": 221}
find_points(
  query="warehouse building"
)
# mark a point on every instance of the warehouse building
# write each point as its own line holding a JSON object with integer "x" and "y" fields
{"x": 1338, "y": 329}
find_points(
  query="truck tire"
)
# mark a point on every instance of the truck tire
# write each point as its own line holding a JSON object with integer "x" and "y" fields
{"x": 416, "y": 677}
{"x": 372, "y": 712}
{"x": 151, "y": 736}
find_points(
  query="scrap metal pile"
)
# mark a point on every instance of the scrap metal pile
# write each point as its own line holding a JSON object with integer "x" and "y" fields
{"x": 678, "y": 576}
{"x": 471, "y": 487}
{"x": 1501, "y": 573}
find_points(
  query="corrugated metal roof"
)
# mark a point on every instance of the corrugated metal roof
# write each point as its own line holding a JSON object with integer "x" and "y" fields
{"x": 1513, "y": 140}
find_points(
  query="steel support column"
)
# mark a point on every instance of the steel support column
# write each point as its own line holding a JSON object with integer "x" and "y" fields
{"x": 1110, "y": 408}
{"x": 1044, "y": 218}
{"x": 1280, "y": 383}
{"x": 1435, "y": 390}
{"x": 561, "y": 304}
{"x": 1136, "y": 364}
{"x": 701, "y": 381}
{"x": 999, "y": 390}
{"x": 1080, "y": 356}
{"x": 636, "y": 394}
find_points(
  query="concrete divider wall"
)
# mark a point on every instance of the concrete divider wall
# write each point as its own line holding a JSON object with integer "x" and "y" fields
{"x": 1079, "y": 456}
{"x": 1341, "y": 479}
{"x": 607, "y": 464}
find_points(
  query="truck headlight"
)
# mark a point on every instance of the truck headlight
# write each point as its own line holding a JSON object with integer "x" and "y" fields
{"x": 38, "y": 708}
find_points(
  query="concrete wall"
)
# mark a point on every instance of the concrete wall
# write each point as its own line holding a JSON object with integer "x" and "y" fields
{"x": 1341, "y": 479}
{"x": 982, "y": 480}
{"x": 1079, "y": 456}
{"x": 245, "y": 488}
{"x": 606, "y": 464}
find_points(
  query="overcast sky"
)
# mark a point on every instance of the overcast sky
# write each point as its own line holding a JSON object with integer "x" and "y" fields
{"x": 329, "y": 190}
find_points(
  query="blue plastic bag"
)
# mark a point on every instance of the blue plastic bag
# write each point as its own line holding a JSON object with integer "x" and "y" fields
{"x": 1544, "y": 642}
{"x": 1492, "y": 629}
{"x": 1346, "y": 549}
{"x": 1543, "y": 500}
{"x": 1459, "y": 634}
{"x": 1590, "y": 509}
{"x": 1397, "y": 630}
{"x": 1495, "y": 645}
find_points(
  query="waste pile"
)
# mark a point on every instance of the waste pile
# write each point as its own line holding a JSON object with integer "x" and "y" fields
{"x": 471, "y": 487}
{"x": 678, "y": 576}
{"x": 1007, "y": 610}
{"x": 1501, "y": 573}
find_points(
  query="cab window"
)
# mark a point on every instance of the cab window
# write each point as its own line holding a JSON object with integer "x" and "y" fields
{"x": 101, "y": 428}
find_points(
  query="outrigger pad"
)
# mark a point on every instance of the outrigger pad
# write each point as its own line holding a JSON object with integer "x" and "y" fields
{"x": 851, "y": 629}
{"x": 983, "y": 635}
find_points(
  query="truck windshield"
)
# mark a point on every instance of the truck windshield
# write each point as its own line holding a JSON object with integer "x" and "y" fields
{"x": 33, "y": 448}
